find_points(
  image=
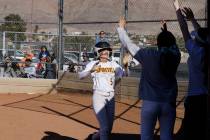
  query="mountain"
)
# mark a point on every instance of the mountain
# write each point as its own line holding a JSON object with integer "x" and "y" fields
{"x": 41, "y": 12}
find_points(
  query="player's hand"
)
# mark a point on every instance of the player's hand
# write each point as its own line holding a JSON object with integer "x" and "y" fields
{"x": 188, "y": 13}
{"x": 122, "y": 23}
{"x": 95, "y": 67}
{"x": 176, "y": 5}
{"x": 164, "y": 25}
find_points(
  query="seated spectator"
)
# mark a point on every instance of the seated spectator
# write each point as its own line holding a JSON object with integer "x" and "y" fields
{"x": 50, "y": 72}
{"x": 85, "y": 61}
{"x": 9, "y": 70}
{"x": 29, "y": 70}
{"x": 44, "y": 53}
{"x": 28, "y": 56}
{"x": 101, "y": 37}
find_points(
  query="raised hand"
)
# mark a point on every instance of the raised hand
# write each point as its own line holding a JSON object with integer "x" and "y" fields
{"x": 176, "y": 4}
{"x": 95, "y": 67}
{"x": 188, "y": 13}
{"x": 122, "y": 23}
{"x": 164, "y": 25}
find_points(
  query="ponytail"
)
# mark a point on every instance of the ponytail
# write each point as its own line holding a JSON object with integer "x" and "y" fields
{"x": 169, "y": 53}
{"x": 169, "y": 60}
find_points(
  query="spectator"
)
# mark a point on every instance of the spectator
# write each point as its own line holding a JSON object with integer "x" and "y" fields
{"x": 50, "y": 72}
{"x": 29, "y": 70}
{"x": 28, "y": 56}
{"x": 84, "y": 53}
{"x": 9, "y": 67}
{"x": 101, "y": 37}
{"x": 43, "y": 55}
{"x": 85, "y": 61}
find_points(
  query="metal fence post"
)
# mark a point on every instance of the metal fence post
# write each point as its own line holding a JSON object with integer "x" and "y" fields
{"x": 208, "y": 25}
{"x": 60, "y": 15}
{"x": 80, "y": 51}
{"x": 4, "y": 44}
{"x": 15, "y": 46}
{"x": 126, "y": 17}
{"x": 208, "y": 101}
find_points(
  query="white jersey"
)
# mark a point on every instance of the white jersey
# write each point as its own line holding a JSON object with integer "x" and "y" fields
{"x": 104, "y": 76}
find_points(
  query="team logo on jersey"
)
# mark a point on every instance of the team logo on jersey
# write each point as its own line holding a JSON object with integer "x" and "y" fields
{"x": 105, "y": 70}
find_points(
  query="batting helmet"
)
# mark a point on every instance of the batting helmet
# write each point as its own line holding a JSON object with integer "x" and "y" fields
{"x": 100, "y": 46}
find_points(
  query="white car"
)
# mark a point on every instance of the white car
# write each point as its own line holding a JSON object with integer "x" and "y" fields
{"x": 116, "y": 57}
{"x": 18, "y": 55}
{"x": 70, "y": 57}
{"x": 90, "y": 55}
{"x": 133, "y": 62}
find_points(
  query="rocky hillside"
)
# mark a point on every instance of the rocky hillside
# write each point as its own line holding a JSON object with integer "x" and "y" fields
{"x": 45, "y": 11}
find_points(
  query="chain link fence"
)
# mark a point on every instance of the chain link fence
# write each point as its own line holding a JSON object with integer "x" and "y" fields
{"x": 83, "y": 20}
{"x": 21, "y": 55}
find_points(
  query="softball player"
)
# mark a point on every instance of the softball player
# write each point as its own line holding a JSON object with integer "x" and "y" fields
{"x": 105, "y": 74}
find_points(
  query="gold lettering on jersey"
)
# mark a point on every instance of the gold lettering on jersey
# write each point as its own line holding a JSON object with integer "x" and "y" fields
{"x": 105, "y": 70}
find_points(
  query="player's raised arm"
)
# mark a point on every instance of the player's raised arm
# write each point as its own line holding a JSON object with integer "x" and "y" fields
{"x": 125, "y": 40}
{"x": 182, "y": 21}
{"x": 189, "y": 15}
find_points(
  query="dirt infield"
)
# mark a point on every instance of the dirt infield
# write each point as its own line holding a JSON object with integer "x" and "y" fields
{"x": 67, "y": 116}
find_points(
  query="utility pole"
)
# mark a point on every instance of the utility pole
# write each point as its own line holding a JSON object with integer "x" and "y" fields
{"x": 60, "y": 39}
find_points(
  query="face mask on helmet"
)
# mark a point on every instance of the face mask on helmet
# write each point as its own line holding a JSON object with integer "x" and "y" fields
{"x": 104, "y": 54}
{"x": 100, "y": 46}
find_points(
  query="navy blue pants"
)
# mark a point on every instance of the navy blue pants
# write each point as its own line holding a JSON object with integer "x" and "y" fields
{"x": 152, "y": 112}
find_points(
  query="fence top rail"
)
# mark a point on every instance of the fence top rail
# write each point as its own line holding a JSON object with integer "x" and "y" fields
{"x": 128, "y": 21}
{"x": 73, "y": 34}
{"x": 49, "y": 34}
{"x": 11, "y": 32}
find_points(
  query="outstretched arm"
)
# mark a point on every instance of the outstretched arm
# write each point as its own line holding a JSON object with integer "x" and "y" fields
{"x": 125, "y": 40}
{"x": 90, "y": 67}
{"x": 189, "y": 15}
{"x": 182, "y": 22}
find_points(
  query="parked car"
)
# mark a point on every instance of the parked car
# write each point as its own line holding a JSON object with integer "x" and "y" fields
{"x": 70, "y": 58}
{"x": 17, "y": 55}
{"x": 133, "y": 62}
{"x": 91, "y": 56}
{"x": 116, "y": 56}
{"x": 36, "y": 53}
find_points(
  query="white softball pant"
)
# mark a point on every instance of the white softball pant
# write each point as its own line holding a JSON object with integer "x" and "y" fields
{"x": 104, "y": 107}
